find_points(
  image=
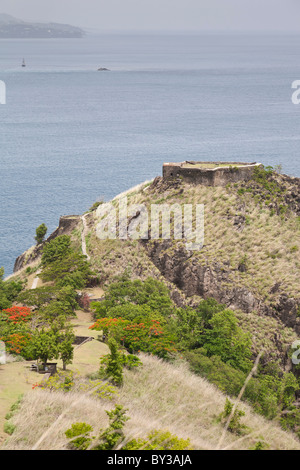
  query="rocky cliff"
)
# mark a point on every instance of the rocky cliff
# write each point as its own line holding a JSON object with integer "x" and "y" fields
{"x": 250, "y": 259}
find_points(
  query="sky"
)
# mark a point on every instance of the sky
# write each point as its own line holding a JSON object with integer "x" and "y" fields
{"x": 162, "y": 15}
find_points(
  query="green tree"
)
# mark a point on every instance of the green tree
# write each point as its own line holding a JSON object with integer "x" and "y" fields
{"x": 38, "y": 297}
{"x": 108, "y": 439}
{"x": 41, "y": 297}
{"x": 44, "y": 345}
{"x": 234, "y": 425}
{"x": 150, "y": 292}
{"x": 72, "y": 270}
{"x": 114, "y": 363}
{"x": 114, "y": 434}
{"x": 66, "y": 348}
{"x": 189, "y": 323}
{"x": 56, "y": 249}
{"x": 40, "y": 233}
{"x": 227, "y": 340}
{"x": 9, "y": 290}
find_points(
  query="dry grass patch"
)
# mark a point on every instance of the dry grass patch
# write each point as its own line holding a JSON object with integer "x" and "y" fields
{"x": 158, "y": 396}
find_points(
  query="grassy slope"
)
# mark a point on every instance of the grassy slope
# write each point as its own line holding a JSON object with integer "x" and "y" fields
{"x": 270, "y": 242}
{"x": 15, "y": 379}
{"x": 158, "y": 396}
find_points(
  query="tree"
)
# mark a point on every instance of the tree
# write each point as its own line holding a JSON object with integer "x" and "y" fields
{"x": 9, "y": 290}
{"x": 108, "y": 439}
{"x": 40, "y": 233}
{"x": 114, "y": 364}
{"x": 44, "y": 345}
{"x": 224, "y": 338}
{"x": 44, "y": 296}
{"x": 70, "y": 270}
{"x": 66, "y": 347}
{"x": 56, "y": 249}
{"x": 38, "y": 297}
{"x": 114, "y": 434}
{"x": 148, "y": 336}
{"x": 150, "y": 292}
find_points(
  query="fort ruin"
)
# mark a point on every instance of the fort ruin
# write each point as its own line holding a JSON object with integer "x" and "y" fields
{"x": 210, "y": 173}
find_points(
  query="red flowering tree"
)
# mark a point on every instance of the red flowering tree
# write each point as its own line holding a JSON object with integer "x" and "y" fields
{"x": 149, "y": 336}
{"x": 14, "y": 331}
{"x": 16, "y": 314}
{"x": 112, "y": 327}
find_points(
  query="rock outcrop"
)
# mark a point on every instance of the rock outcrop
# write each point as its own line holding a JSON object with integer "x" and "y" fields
{"x": 195, "y": 279}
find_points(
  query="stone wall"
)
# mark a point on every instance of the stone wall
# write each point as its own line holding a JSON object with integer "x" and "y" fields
{"x": 218, "y": 176}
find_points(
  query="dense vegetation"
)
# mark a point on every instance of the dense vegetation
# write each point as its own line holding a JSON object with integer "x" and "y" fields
{"x": 9, "y": 291}
{"x": 140, "y": 316}
{"x": 41, "y": 329}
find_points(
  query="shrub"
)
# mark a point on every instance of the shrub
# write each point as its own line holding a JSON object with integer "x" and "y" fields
{"x": 79, "y": 431}
{"x": 260, "y": 445}
{"x": 9, "y": 428}
{"x": 40, "y": 233}
{"x": 113, "y": 364}
{"x": 227, "y": 340}
{"x": 84, "y": 302}
{"x": 234, "y": 425}
{"x": 159, "y": 440}
{"x": 108, "y": 439}
{"x": 224, "y": 376}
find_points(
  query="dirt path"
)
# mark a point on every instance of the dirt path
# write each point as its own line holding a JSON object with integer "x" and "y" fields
{"x": 36, "y": 280}
{"x": 83, "y": 235}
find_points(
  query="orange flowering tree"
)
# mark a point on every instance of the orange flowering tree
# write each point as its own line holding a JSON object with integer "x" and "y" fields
{"x": 17, "y": 342}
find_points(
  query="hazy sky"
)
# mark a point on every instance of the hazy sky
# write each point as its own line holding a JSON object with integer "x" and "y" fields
{"x": 185, "y": 15}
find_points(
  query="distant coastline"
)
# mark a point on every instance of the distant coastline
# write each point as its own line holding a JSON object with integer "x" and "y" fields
{"x": 13, "y": 28}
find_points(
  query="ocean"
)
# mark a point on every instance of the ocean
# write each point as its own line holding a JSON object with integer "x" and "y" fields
{"x": 71, "y": 135}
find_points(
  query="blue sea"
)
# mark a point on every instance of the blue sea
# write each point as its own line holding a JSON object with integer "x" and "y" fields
{"x": 70, "y": 135}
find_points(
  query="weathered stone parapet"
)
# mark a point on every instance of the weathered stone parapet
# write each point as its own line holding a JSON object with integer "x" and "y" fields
{"x": 210, "y": 173}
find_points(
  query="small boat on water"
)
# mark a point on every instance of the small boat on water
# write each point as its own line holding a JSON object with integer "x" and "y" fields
{"x": 23, "y": 63}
